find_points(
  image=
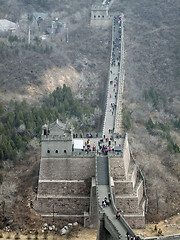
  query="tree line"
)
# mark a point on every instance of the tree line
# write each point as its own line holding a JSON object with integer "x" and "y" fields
{"x": 21, "y": 122}
{"x": 163, "y": 129}
{"x": 155, "y": 97}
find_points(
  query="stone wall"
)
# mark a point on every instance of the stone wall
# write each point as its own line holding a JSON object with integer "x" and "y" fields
{"x": 100, "y": 16}
{"x": 63, "y": 206}
{"x": 129, "y": 204}
{"x": 123, "y": 187}
{"x": 140, "y": 191}
{"x": 67, "y": 168}
{"x": 64, "y": 186}
{"x": 101, "y": 23}
{"x": 99, "y": 12}
{"x": 135, "y": 221}
{"x": 77, "y": 188}
{"x": 134, "y": 175}
{"x": 120, "y": 165}
{"x": 126, "y": 155}
{"x": 56, "y": 148}
{"x": 117, "y": 170}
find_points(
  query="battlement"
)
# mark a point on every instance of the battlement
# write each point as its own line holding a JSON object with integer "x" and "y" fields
{"x": 56, "y": 138}
{"x": 99, "y": 7}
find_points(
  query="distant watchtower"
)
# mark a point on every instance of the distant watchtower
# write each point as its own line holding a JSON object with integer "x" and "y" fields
{"x": 56, "y": 140}
{"x": 99, "y": 12}
{"x": 100, "y": 15}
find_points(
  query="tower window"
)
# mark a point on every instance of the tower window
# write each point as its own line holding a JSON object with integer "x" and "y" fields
{"x": 56, "y": 151}
{"x": 48, "y": 151}
{"x": 64, "y": 151}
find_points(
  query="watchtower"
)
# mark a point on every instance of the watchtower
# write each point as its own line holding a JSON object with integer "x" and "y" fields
{"x": 100, "y": 15}
{"x": 56, "y": 140}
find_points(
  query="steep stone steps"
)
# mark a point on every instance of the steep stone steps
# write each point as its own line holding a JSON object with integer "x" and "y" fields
{"x": 102, "y": 170}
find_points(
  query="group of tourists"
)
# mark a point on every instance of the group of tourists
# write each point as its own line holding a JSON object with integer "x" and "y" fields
{"x": 115, "y": 61}
{"x": 113, "y": 95}
{"x": 116, "y": 48}
{"x": 130, "y": 238}
{"x": 106, "y": 201}
{"x": 87, "y": 146}
{"x": 103, "y": 146}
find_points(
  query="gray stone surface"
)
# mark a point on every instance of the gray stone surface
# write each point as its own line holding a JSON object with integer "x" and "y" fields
{"x": 67, "y": 168}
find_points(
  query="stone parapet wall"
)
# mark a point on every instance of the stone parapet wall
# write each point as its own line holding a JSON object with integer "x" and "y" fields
{"x": 101, "y": 23}
{"x": 127, "y": 204}
{"x": 126, "y": 155}
{"x": 64, "y": 188}
{"x": 136, "y": 221}
{"x": 140, "y": 191}
{"x": 134, "y": 175}
{"x": 117, "y": 170}
{"x": 123, "y": 187}
{"x": 67, "y": 168}
{"x": 118, "y": 120}
{"x": 55, "y": 148}
{"x": 62, "y": 206}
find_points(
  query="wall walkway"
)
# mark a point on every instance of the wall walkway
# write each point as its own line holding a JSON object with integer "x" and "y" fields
{"x": 109, "y": 226}
{"x": 116, "y": 227}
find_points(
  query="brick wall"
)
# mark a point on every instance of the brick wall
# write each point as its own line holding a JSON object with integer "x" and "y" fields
{"x": 67, "y": 168}
{"x": 136, "y": 221}
{"x": 126, "y": 156}
{"x": 117, "y": 168}
{"x": 127, "y": 204}
{"x": 63, "y": 206}
{"x": 134, "y": 176}
{"x": 56, "y": 148}
{"x": 140, "y": 192}
{"x": 64, "y": 188}
{"x": 123, "y": 187}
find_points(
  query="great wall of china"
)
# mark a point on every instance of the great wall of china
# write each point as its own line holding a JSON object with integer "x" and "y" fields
{"x": 77, "y": 172}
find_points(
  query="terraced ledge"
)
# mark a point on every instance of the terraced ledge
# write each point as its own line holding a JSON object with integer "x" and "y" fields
{"x": 134, "y": 214}
{"x": 56, "y": 215}
{"x": 57, "y": 181}
{"x": 127, "y": 196}
{"x": 122, "y": 180}
{"x": 60, "y": 196}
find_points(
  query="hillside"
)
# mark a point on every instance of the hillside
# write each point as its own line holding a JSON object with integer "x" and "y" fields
{"x": 77, "y": 63}
{"x": 152, "y": 60}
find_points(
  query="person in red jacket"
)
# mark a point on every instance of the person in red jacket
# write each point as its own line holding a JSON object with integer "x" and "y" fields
{"x": 118, "y": 215}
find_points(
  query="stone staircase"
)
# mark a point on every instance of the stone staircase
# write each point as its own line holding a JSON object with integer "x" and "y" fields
{"x": 102, "y": 170}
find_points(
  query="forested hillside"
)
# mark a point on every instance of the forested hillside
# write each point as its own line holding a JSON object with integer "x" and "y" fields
{"x": 21, "y": 122}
